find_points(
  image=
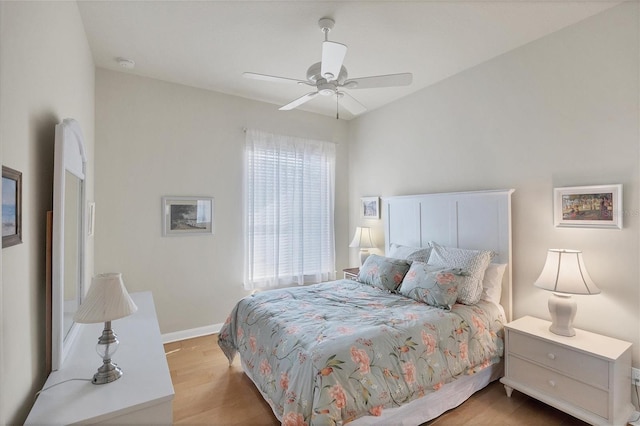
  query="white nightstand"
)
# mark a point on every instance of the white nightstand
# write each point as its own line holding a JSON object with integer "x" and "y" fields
{"x": 587, "y": 375}
{"x": 351, "y": 273}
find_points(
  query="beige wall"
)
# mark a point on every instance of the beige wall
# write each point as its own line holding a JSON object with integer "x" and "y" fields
{"x": 561, "y": 111}
{"x": 156, "y": 139}
{"x": 46, "y": 74}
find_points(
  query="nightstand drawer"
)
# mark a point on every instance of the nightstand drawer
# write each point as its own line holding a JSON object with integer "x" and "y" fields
{"x": 584, "y": 367}
{"x": 554, "y": 384}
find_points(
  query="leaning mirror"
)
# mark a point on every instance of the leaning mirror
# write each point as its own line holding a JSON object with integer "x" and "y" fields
{"x": 67, "y": 255}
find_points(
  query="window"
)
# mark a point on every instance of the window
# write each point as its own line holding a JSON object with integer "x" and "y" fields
{"x": 289, "y": 203}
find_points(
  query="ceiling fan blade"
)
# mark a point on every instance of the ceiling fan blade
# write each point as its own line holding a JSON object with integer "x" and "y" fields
{"x": 351, "y": 104}
{"x": 390, "y": 80}
{"x": 301, "y": 100}
{"x": 272, "y": 78}
{"x": 332, "y": 57}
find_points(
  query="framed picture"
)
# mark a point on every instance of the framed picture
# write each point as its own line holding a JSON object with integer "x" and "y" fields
{"x": 370, "y": 207}
{"x": 11, "y": 207}
{"x": 597, "y": 206}
{"x": 187, "y": 216}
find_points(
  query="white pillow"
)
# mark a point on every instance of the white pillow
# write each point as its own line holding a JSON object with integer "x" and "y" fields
{"x": 492, "y": 282}
{"x": 474, "y": 262}
{"x": 398, "y": 251}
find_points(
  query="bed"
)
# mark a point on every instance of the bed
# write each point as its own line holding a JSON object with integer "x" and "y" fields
{"x": 356, "y": 352}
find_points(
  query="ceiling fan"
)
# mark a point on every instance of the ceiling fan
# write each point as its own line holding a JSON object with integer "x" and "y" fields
{"x": 329, "y": 76}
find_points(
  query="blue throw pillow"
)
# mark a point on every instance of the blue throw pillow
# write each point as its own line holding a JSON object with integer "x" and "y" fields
{"x": 383, "y": 272}
{"x": 432, "y": 285}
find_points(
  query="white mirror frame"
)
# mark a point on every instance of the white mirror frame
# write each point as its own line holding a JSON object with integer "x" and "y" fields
{"x": 69, "y": 155}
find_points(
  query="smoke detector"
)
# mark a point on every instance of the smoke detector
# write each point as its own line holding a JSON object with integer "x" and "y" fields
{"x": 126, "y": 63}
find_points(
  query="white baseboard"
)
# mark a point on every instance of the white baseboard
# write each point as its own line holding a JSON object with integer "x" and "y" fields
{"x": 191, "y": 333}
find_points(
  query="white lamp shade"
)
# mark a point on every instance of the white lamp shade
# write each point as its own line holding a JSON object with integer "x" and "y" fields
{"x": 362, "y": 238}
{"x": 107, "y": 300}
{"x": 565, "y": 272}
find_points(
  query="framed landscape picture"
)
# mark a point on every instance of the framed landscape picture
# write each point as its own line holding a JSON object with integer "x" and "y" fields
{"x": 187, "y": 216}
{"x": 598, "y": 206}
{"x": 370, "y": 207}
{"x": 11, "y": 207}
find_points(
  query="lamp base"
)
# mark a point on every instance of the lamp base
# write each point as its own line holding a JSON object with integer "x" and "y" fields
{"x": 363, "y": 256}
{"x": 107, "y": 345}
{"x": 562, "y": 308}
{"x": 107, "y": 373}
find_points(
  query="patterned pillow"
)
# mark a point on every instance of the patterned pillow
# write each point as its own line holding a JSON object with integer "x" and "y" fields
{"x": 434, "y": 286}
{"x": 421, "y": 255}
{"x": 383, "y": 272}
{"x": 474, "y": 262}
{"x": 410, "y": 254}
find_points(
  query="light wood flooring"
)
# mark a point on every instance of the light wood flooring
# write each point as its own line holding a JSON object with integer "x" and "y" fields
{"x": 209, "y": 391}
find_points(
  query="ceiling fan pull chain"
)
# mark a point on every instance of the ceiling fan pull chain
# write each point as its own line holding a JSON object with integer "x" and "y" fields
{"x": 337, "y": 107}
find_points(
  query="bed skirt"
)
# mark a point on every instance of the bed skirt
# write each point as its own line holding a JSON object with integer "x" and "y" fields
{"x": 428, "y": 407}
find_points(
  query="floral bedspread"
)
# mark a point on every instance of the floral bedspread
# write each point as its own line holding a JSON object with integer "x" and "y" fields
{"x": 332, "y": 352}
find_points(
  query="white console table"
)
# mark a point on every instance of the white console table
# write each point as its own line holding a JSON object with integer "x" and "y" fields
{"x": 144, "y": 393}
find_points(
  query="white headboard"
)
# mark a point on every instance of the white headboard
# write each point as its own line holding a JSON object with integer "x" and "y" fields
{"x": 471, "y": 220}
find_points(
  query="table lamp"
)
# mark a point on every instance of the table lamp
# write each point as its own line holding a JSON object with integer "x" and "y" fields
{"x": 362, "y": 240}
{"x": 107, "y": 300}
{"x": 564, "y": 274}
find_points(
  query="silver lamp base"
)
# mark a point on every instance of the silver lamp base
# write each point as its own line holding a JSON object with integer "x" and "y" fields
{"x": 107, "y": 345}
{"x": 107, "y": 373}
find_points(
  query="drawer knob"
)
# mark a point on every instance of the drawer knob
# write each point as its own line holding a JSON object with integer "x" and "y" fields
{"x": 551, "y": 356}
{"x": 552, "y": 383}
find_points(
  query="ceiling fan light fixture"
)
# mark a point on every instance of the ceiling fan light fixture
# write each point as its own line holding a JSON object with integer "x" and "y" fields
{"x": 327, "y": 90}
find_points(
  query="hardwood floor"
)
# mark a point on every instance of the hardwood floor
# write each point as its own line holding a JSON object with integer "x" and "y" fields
{"x": 209, "y": 391}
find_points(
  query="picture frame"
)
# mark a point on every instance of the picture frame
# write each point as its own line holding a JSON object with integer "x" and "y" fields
{"x": 596, "y": 206}
{"x": 370, "y": 207}
{"x": 187, "y": 216}
{"x": 11, "y": 207}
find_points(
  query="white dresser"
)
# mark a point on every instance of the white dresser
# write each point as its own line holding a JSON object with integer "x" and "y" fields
{"x": 587, "y": 375}
{"x": 143, "y": 395}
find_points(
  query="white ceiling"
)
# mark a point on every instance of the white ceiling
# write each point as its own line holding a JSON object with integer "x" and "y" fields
{"x": 209, "y": 44}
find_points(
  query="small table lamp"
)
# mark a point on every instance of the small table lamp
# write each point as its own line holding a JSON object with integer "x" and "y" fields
{"x": 107, "y": 300}
{"x": 362, "y": 240}
{"x": 564, "y": 274}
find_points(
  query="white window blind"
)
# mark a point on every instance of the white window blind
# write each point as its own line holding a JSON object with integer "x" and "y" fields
{"x": 289, "y": 204}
